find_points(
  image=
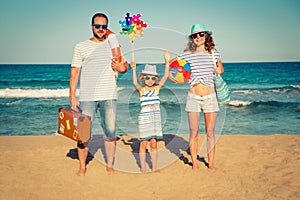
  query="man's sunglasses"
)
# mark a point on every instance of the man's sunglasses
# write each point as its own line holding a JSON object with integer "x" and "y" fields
{"x": 153, "y": 78}
{"x": 97, "y": 26}
{"x": 201, "y": 34}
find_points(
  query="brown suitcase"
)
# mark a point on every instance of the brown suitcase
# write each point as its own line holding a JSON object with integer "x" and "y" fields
{"x": 74, "y": 125}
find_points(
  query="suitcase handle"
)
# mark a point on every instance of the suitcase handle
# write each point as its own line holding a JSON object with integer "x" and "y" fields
{"x": 79, "y": 109}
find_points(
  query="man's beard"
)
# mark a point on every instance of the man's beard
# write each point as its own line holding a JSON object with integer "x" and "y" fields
{"x": 99, "y": 38}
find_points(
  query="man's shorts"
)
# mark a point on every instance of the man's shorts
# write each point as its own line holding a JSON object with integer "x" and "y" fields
{"x": 107, "y": 111}
{"x": 207, "y": 104}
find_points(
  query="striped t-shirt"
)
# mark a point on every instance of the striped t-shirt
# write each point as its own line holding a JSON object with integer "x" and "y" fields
{"x": 201, "y": 64}
{"x": 97, "y": 79}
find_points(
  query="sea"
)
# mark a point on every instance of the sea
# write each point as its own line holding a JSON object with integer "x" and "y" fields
{"x": 265, "y": 99}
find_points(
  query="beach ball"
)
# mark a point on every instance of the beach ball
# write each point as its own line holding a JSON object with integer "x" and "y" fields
{"x": 181, "y": 71}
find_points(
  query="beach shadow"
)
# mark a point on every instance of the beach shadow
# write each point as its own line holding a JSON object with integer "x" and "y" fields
{"x": 73, "y": 153}
{"x": 202, "y": 159}
{"x": 96, "y": 143}
{"x": 179, "y": 146}
{"x": 134, "y": 144}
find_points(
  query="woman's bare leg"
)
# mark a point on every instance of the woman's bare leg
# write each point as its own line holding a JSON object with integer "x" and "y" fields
{"x": 210, "y": 122}
{"x": 194, "y": 119}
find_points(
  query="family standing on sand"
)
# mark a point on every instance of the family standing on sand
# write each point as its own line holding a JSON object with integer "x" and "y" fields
{"x": 99, "y": 60}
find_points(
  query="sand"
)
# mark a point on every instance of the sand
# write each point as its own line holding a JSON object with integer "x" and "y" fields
{"x": 248, "y": 167}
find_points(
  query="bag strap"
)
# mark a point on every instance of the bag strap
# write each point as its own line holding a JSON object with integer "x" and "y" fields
{"x": 214, "y": 61}
{"x": 213, "y": 57}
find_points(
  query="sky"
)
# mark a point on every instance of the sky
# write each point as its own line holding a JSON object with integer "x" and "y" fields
{"x": 45, "y": 32}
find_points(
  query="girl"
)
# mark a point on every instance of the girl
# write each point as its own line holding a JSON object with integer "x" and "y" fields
{"x": 150, "y": 117}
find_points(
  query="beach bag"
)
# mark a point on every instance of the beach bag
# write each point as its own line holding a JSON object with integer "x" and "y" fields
{"x": 223, "y": 92}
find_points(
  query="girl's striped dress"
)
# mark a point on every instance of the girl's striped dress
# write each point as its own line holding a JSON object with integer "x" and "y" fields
{"x": 149, "y": 117}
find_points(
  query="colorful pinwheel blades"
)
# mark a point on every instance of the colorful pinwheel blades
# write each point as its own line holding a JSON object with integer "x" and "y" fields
{"x": 132, "y": 26}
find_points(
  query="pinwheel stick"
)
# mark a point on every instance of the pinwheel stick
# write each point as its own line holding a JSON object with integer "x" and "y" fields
{"x": 132, "y": 51}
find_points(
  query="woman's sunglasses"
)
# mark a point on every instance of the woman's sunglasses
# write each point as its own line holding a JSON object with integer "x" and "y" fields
{"x": 97, "y": 26}
{"x": 195, "y": 35}
{"x": 153, "y": 78}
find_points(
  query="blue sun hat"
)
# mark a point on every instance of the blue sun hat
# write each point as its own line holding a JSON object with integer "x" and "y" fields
{"x": 196, "y": 28}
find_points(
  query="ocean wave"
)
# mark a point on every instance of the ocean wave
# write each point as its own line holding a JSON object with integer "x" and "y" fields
{"x": 296, "y": 86}
{"x": 247, "y": 91}
{"x": 12, "y": 102}
{"x": 31, "y": 80}
{"x": 121, "y": 88}
{"x": 33, "y": 93}
{"x": 254, "y": 104}
{"x": 36, "y": 93}
{"x": 239, "y": 103}
{"x": 284, "y": 89}
{"x": 175, "y": 105}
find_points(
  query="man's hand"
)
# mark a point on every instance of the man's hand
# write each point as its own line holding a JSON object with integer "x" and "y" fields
{"x": 119, "y": 65}
{"x": 74, "y": 103}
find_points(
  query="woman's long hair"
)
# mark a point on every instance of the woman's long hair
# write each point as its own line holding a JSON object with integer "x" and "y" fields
{"x": 208, "y": 44}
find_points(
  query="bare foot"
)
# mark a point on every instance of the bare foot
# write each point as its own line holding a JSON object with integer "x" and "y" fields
{"x": 195, "y": 167}
{"x": 144, "y": 171}
{"x": 156, "y": 171}
{"x": 110, "y": 170}
{"x": 81, "y": 172}
{"x": 212, "y": 167}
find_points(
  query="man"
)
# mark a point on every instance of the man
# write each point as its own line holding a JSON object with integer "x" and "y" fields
{"x": 98, "y": 61}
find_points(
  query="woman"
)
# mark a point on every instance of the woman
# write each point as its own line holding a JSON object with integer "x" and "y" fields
{"x": 202, "y": 94}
